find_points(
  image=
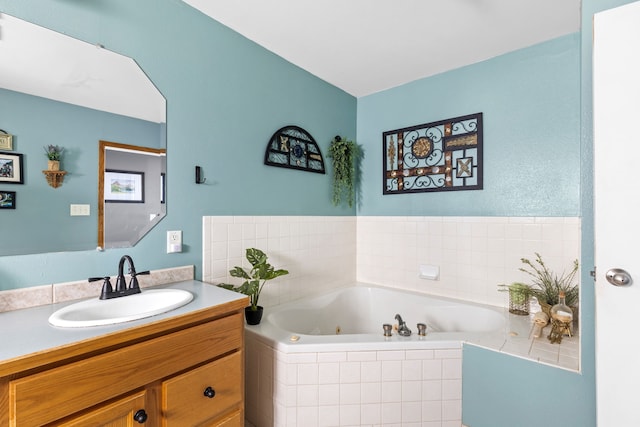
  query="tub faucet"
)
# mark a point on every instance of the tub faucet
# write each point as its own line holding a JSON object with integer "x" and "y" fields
{"x": 403, "y": 330}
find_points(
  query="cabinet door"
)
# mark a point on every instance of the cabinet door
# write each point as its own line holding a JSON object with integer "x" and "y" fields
{"x": 54, "y": 394}
{"x": 204, "y": 393}
{"x": 117, "y": 414}
{"x": 233, "y": 420}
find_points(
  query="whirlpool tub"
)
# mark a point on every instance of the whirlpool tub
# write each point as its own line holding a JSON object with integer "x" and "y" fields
{"x": 325, "y": 360}
{"x": 352, "y": 318}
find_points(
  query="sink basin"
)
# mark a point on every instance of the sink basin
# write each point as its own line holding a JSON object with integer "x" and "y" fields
{"x": 97, "y": 312}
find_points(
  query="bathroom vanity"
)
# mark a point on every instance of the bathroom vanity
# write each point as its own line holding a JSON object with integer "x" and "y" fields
{"x": 185, "y": 367}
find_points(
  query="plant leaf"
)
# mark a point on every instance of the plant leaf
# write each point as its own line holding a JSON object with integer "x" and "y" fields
{"x": 277, "y": 273}
{"x": 256, "y": 256}
{"x": 239, "y": 272}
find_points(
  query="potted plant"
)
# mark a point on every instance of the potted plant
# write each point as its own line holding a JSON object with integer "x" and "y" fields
{"x": 255, "y": 279}
{"x": 54, "y": 154}
{"x": 547, "y": 284}
{"x": 344, "y": 154}
{"x": 519, "y": 294}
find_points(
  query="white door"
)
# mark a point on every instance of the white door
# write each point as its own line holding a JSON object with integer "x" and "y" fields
{"x": 616, "y": 91}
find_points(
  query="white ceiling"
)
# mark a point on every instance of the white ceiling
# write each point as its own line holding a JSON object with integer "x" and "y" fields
{"x": 360, "y": 46}
{"x": 365, "y": 46}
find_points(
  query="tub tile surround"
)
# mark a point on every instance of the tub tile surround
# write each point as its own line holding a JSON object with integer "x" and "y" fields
{"x": 353, "y": 388}
{"x": 15, "y": 299}
{"x": 474, "y": 255}
{"x": 318, "y": 252}
{"x": 518, "y": 340}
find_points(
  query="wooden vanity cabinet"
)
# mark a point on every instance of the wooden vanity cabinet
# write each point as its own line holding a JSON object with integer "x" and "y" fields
{"x": 182, "y": 371}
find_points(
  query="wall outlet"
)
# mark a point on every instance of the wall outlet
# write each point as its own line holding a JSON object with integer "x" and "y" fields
{"x": 174, "y": 241}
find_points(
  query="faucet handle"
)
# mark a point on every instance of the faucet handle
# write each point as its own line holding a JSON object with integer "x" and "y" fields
{"x": 134, "y": 281}
{"x": 121, "y": 285}
{"x": 106, "y": 286}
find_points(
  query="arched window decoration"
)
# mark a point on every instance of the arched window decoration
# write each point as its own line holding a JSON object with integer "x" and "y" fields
{"x": 294, "y": 148}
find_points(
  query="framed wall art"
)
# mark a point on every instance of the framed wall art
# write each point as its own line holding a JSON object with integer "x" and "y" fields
{"x": 11, "y": 168}
{"x": 7, "y": 199}
{"x": 439, "y": 156}
{"x": 6, "y": 140}
{"x": 123, "y": 186}
{"x": 294, "y": 148}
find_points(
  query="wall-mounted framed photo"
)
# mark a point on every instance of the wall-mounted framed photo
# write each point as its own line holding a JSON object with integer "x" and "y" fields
{"x": 123, "y": 186}
{"x": 11, "y": 168}
{"x": 7, "y": 199}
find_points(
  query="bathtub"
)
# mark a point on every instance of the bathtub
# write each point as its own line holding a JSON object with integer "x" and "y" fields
{"x": 352, "y": 318}
{"x": 324, "y": 361}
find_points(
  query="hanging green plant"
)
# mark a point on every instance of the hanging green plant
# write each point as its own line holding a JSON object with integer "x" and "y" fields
{"x": 344, "y": 154}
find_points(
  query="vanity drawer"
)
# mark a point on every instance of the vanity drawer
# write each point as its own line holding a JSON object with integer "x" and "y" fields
{"x": 56, "y": 393}
{"x": 119, "y": 413}
{"x": 203, "y": 393}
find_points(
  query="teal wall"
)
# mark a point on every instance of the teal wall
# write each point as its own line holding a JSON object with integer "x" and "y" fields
{"x": 225, "y": 98}
{"x": 539, "y": 161}
{"x": 41, "y": 220}
{"x": 530, "y": 100}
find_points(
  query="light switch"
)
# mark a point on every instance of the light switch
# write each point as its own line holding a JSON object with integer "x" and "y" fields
{"x": 80, "y": 210}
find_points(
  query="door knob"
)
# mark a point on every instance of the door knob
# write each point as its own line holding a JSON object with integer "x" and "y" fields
{"x": 618, "y": 277}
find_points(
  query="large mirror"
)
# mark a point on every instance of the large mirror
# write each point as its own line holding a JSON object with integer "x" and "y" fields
{"x": 58, "y": 90}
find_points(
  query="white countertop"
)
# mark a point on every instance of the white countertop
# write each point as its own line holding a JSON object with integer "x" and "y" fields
{"x": 28, "y": 331}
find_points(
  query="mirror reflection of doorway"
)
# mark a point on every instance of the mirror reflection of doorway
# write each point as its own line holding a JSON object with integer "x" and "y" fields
{"x": 131, "y": 193}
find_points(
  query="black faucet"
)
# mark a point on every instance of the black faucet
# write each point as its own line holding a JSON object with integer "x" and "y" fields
{"x": 121, "y": 289}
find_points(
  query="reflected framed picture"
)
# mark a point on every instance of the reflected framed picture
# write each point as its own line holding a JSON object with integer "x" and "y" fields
{"x": 11, "y": 168}
{"x": 7, "y": 199}
{"x": 123, "y": 186}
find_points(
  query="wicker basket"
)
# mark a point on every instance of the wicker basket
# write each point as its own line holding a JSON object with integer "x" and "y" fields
{"x": 518, "y": 303}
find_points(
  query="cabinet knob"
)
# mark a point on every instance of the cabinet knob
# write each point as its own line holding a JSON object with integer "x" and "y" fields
{"x": 140, "y": 416}
{"x": 209, "y": 392}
